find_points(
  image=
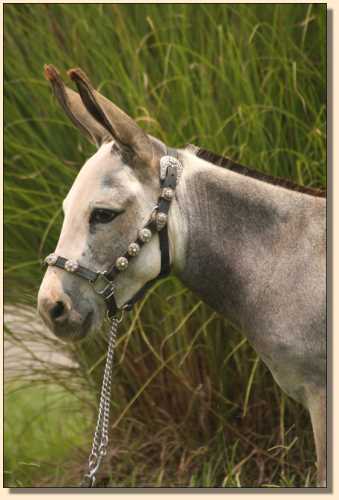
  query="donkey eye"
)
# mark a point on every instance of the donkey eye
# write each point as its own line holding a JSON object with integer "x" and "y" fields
{"x": 102, "y": 216}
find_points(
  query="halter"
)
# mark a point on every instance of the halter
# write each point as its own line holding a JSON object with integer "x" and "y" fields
{"x": 103, "y": 281}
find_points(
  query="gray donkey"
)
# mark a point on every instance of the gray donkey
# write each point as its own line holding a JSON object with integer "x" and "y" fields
{"x": 251, "y": 246}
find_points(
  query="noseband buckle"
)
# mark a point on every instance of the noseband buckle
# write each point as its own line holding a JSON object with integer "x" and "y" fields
{"x": 103, "y": 286}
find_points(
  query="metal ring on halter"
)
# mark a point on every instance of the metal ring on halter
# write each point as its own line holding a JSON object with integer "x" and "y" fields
{"x": 106, "y": 283}
{"x": 122, "y": 314}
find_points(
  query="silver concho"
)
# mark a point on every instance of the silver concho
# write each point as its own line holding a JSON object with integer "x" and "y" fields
{"x": 121, "y": 263}
{"x": 133, "y": 249}
{"x": 161, "y": 220}
{"x": 165, "y": 162}
{"x": 167, "y": 193}
{"x": 71, "y": 266}
{"x": 145, "y": 235}
{"x": 51, "y": 259}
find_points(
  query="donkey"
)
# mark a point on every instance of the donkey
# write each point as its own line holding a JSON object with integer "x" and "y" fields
{"x": 251, "y": 246}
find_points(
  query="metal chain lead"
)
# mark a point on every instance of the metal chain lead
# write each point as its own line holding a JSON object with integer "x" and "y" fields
{"x": 100, "y": 439}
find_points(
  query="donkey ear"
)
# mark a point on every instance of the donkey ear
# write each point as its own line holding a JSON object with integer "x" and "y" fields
{"x": 74, "y": 108}
{"x": 121, "y": 126}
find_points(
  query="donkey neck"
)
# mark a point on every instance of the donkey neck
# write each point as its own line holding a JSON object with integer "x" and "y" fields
{"x": 235, "y": 228}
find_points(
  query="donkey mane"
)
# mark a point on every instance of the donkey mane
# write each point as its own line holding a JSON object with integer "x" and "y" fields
{"x": 223, "y": 161}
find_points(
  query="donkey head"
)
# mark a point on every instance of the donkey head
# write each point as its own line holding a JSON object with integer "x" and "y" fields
{"x": 111, "y": 198}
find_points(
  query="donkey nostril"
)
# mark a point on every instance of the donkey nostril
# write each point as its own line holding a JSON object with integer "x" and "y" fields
{"x": 57, "y": 310}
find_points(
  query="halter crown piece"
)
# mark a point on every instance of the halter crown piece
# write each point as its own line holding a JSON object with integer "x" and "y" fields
{"x": 103, "y": 281}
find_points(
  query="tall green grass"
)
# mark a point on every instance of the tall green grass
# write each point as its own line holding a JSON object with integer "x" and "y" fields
{"x": 192, "y": 403}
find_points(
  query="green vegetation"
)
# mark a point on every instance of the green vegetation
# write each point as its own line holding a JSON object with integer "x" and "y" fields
{"x": 192, "y": 405}
{"x": 44, "y": 427}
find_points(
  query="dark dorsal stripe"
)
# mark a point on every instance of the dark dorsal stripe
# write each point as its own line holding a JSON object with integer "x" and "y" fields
{"x": 241, "y": 169}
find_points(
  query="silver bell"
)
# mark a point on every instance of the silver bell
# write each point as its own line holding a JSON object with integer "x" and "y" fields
{"x": 161, "y": 220}
{"x": 145, "y": 235}
{"x": 167, "y": 193}
{"x": 51, "y": 259}
{"x": 71, "y": 266}
{"x": 133, "y": 249}
{"x": 121, "y": 263}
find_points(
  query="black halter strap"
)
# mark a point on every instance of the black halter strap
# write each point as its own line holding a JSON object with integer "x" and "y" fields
{"x": 169, "y": 181}
{"x": 103, "y": 282}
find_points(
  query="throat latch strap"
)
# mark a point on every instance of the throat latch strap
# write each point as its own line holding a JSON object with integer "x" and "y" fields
{"x": 168, "y": 180}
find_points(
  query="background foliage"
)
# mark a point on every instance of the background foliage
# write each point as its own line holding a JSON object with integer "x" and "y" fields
{"x": 193, "y": 405}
